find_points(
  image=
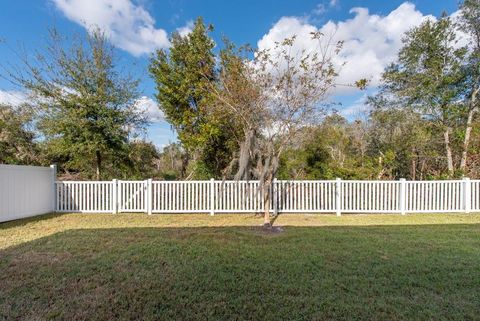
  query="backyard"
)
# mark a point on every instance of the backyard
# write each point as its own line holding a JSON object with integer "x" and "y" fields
{"x": 198, "y": 267}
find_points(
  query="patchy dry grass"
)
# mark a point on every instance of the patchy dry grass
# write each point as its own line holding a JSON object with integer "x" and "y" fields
{"x": 196, "y": 267}
{"x": 17, "y": 232}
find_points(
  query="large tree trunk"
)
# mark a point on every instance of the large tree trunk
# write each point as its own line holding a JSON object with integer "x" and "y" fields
{"x": 98, "y": 164}
{"x": 448, "y": 149}
{"x": 185, "y": 161}
{"x": 468, "y": 130}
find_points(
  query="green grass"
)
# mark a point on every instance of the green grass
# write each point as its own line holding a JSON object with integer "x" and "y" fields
{"x": 196, "y": 267}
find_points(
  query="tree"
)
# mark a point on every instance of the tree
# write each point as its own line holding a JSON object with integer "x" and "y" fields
{"x": 17, "y": 144}
{"x": 405, "y": 136}
{"x": 271, "y": 97}
{"x": 429, "y": 78}
{"x": 330, "y": 149}
{"x": 86, "y": 107}
{"x": 143, "y": 157}
{"x": 169, "y": 163}
{"x": 470, "y": 22}
{"x": 183, "y": 76}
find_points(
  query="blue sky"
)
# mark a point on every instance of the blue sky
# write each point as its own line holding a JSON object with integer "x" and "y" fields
{"x": 372, "y": 34}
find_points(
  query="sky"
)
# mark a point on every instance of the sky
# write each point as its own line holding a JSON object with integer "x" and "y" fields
{"x": 371, "y": 30}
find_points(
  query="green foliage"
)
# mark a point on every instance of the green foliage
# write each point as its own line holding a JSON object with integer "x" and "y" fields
{"x": 184, "y": 75}
{"x": 143, "y": 158}
{"x": 428, "y": 75}
{"x": 327, "y": 151}
{"x": 86, "y": 107}
{"x": 170, "y": 162}
{"x": 429, "y": 79}
{"x": 408, "y": 138}
{"x": 17, "y": 144}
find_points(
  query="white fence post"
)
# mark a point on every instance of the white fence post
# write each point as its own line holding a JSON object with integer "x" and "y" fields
{"x": 338, "y": 195}
{"x": 275, "y": 197}
{"x": 114, "y": 196}
{"x": 467, "y": 197}
{"x": 149, "y": 198}
{"x": 402, "y": 196}
{"x": 54, "y": 187}
{"x": 212, "y": 196}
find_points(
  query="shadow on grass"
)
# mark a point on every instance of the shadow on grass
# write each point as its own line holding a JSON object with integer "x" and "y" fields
{"x": 419, "y": 272}
{"x": 24, "y": 221}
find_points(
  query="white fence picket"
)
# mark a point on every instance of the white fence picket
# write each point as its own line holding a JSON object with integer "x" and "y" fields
{"x": 341, "y": 196}
{"x": 91, "y": 196}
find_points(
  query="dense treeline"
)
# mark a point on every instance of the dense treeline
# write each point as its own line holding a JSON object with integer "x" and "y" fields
{"x": 241, "y": 113}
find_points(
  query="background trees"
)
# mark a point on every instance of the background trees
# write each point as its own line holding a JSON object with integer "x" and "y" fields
{"x": 84, "y": 107}
{"x": 183, "y": 77}
{"x": 271, "y": 98}
{"x": 428, "y": 78}
{"x": 244, "y": 113}
{"x": 436, "y": 78}
{"x": 17, "y": 145}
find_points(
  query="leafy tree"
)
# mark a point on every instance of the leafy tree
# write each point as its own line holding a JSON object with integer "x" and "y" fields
{"x": 470, "y": 22}
{"x": 333, "y": 148}
{"x": 17, "y": 145}
{"x": 143, "y": 157}
{"x": 86, "y": 107}
{"x": 429, "y": 78}
{"x": 271, "y": 97}
{"x": 183, "y": 75}
{"x": 169, "y": 163}
{"x": 407, "y": 138}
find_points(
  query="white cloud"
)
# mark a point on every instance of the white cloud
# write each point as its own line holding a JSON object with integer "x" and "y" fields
{"x": 129, "y": 26}
{"x": 185, "y": 30}
{"x": 150, "y": 108}
{"x": 371, "y": 41}
{"x": 13, "y": 98}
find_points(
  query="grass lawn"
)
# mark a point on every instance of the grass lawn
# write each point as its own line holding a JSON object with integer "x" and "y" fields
{"x": 197, "y": 267}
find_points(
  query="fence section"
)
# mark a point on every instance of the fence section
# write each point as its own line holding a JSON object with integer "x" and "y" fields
{"x": 436, "y": 196}
{"x": 25, "y": 191}
{"x": 132, "y": 196}
{"x": 181, "y": 197}
{"x": 370, "y": 197}
{"x": 88, "y": 196}
{"x": 339, "y": 196}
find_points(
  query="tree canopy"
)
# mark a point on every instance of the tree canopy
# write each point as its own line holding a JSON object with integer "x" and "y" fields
{"x": 85, "y": 107}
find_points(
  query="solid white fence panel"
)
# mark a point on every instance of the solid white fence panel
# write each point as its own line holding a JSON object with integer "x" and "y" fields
{"x": 26, "y": 191}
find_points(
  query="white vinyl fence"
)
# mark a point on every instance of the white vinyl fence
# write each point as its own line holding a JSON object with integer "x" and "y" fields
{"x": 338, "y": 196}
{"x": 25, "y": 191}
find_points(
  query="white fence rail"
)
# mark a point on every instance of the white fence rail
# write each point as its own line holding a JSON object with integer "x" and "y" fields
{"x": 25, "y": 191}
{"x": 339, "y": 196}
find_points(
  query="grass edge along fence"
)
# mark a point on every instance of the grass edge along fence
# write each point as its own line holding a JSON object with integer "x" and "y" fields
{"x": 305, "y": 196}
